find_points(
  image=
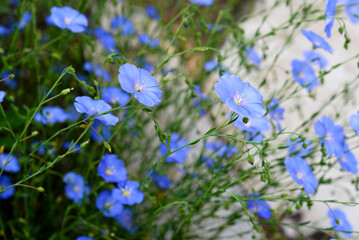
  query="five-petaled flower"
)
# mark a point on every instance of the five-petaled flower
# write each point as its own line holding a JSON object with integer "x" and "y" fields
{"x": 333, "y": 136}
{"x": 240, "y": 97}
{"x": 92, "y": 107}
{"x": 140, "y": 83}
{"x": 107, "y": 204}
{"x": 127, "y": 193}
{"x": 301, "y": 173}
{"x": 112, "y": 169}
{"x": 67, "y": 18}
{"x": 259, "y": 206}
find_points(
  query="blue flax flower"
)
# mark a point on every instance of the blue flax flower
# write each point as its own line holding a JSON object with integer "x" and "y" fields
{"x": 276, "y": 112}
{"x": 4, "y": 183}
{"x": 26, "y": 17}
{"x": 176, "y": 142}
{"x": 115, "y": 95}
{"x": 51, "y": 115}
{"x": 213, "y": 65}
{"x": 315, "y": 58}
{"x": 4, "y": 30}
{"x": 11, "y": 163}
{"x": 259, "y": 206}
{"x": 254, "y": 125}
{"x": 253, "y": 56}
{"x": 202, "y": 2}
{"x": 84, "y": 238}
{"x": 112, "y": 169}
{"x": 295, "y": 148}
{"x": 125, "y": 219}
{"x": 354, "y": 122}
{"x": 124, "y": 24}
{"x": 109, "y": 206}
{"x": 329, "y": 16}
{"x": 317, "y": 41}
{"x": 352, "y": 9}
{"x": 340, "y": 222}
{"x": 2, "y": 95}
{"x": 75, "y": 188}
{"x": 127, "y": 193}
{"x": 102, "y": 132}
{"x": 68, "y": 18}
{"x": 161, "y": 180}
{"x": 140, "y": 83}
{"x": 152, "y": 12}
{"x": 301, "y": 173}
{"x": 221, "y": 149}
{"x": 334, "y": 136}
{"x": 348, "y": 161}
{"x": 92, "y": 107}
{"x": 96, "y": 70}
{"x": 106, "y": 39}
{"x": 147, "y": 40}
{"x": 240, "y": 97}
{"x": 304, "y": 74}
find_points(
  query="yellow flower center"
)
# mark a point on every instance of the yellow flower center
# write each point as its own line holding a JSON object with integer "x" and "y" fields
{"x": 76, "y": 188}
{"x": 108, "y": 172}
{"x": 237, "y": 99}
{"x": 68, "y": 20}
{"x": 125, "y": 193}
{"x": 138, "y": 87}
{"x": 107, "y": 204}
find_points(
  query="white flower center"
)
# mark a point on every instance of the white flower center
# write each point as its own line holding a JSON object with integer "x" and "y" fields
{"x": 68, "y": 20}
{"x": 299, "y": 175}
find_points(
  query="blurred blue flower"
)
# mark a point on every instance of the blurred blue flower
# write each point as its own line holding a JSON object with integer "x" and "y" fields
{"x": 125, "y": 219}
{"x": 304, "y": 74}
{"x": 26, "y": 17}
{"x": 124, "y": 24}
{"x": 140, "y": 83}
{"x": 106, "y": 39}
{"x": 254, "y": 125}
{"x": 5, "y": 182}
{"x": 202, "y": 2}
{"x": 147, "y": 40}
{"x": 214, "y": 27}
{"x": 317, "y": 41}
{"x": 152, "y": 12}
{"x": 259, "y": 206}
{"x": 176, "y": 142}
{"x": 112, "y": 169}
{"x": 11, "y": 164}
{"x": 329, "y": 16}
{"x": 253, "y": 56}
{"x": 240, "y": 97}
{"x": 295, "y": 147}
{"x": 4, "y": 30}
{"x": 67, "y": 18}
{"x": 75, "y": 188}
{"x": 108, "y": 205}
{"x": 101, "y": 129}
{"x": 276, "y": 112}
{"x": 352, "y": 9}
{"x": 340, "y": 222}
{"x": 143, "y": 63}
{"x": 301, "y": 173}
{"x": 161, "y": 180}
{"x": 11, "y": 82}
{"x": 334, "y": 136}
{"x": 348, "y": 161}
{"x": 221, "y": 149}
{"x": 354, "y": 122}
{"x": 115, "y": 95}
{"x": 76, "y": 148}
{"x": 92, "y": 107}
{"x": 213, "y": 65}
{"x": 84, "y": 238}
{"x": 2, "y": 95}
{"x": 96, "y": 70}
{"x": 51, "y": 115}
{"x": 127, "y": 193}
{"x": 315, "y": 58}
